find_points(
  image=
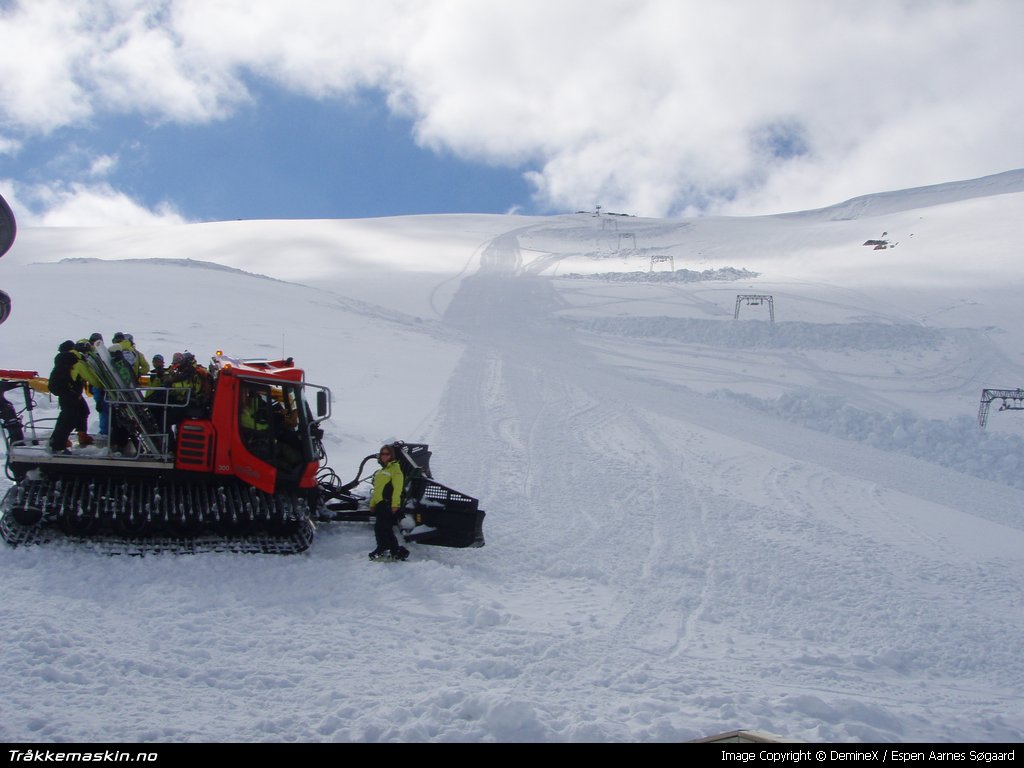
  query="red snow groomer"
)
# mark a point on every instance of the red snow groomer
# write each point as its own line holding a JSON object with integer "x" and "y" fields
{"x": 243, "y": 471}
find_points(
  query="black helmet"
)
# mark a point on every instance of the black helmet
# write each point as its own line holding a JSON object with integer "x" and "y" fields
{"x": 119, "y": 336}
{"x": 96, "y": 337}
{"x": 66, "y": 346}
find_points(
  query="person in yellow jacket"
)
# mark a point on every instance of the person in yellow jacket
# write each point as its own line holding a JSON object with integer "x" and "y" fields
{"x": 253, "y": 416}
{"x": 158, "y": 372}
{"x": 268, "y": 430}
{"x": 385, "y": 502}
{"x": 254, "y": 423}
{"x": 81, "y": 370}
{"x": 67, "y": 381}
{"x": 190, "y": 391}
{"x": 186, "y": 374}
{"x": 124, "y": 343}
{"x": 98, "y": 395}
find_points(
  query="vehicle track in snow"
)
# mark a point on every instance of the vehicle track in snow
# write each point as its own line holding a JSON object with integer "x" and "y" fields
{"x": 574, "y": 467}
{"x": 655, "y": 528}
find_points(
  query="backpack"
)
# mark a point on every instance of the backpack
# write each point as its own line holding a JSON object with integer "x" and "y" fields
{"x": 414, "y": 458}
{"x": 123, "y": 366}
{"x": 60, "y": 381}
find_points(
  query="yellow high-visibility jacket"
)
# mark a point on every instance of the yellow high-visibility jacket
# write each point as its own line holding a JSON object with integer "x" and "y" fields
{"x": 392, "y": 475}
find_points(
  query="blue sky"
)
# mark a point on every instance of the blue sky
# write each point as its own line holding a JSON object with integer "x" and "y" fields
{"x": 169, "y": 111}
{"x": 284, "y": 156}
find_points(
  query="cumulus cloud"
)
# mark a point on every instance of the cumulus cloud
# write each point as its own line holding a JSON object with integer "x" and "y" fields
{"x": 64, "y": 61}
{"x": 655, "y": 107}
{"x": 82, "y": 205}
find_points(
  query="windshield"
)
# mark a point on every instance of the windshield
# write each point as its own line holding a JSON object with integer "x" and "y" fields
{"x": 275, "y": 424}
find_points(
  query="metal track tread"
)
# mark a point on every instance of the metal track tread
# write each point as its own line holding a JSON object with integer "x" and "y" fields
{"x": 16, "y": 534}
{"x": 118, "y": 516}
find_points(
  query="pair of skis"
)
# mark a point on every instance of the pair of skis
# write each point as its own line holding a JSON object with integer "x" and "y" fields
{"x": 123, "y": 396}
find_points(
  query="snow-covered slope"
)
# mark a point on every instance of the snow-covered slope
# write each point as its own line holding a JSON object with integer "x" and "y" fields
{"x": 882, "y": 203}
{"x": 696, "y": 521}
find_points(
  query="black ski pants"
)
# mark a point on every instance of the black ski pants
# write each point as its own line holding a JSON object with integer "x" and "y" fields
{"x": 384, "y": 526}
{"x": 73, "y": 417}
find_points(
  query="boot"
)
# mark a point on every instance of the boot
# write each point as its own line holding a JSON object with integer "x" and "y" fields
{"x": 84, "y": 439}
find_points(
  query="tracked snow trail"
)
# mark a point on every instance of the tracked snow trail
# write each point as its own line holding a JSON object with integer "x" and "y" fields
{"x": 657, "y": 530}
{"x": 591, "y": 513}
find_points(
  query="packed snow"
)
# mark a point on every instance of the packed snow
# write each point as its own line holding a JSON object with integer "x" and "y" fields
{"x": 699, "y": 518}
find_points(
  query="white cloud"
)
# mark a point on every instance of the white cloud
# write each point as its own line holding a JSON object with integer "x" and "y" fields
{"x": 63, "y": 61}
{"x": 317, "y": 47}
{"x": 9, "y": 146}
{"x": 81, "y": 205}
{"x": 102, "y": 165}
{"x": 147, "y": 67}
{"x": 38, "y": 87}
{"x": 650, "y": 107}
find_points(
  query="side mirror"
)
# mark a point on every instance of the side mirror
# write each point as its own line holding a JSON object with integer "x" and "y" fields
{"x": 321, "y": 403}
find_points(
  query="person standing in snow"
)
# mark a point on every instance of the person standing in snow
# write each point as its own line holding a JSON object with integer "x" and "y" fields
{"x": 385, "y": 502}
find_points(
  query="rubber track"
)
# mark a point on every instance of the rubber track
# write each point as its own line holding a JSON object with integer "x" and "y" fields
{"x": 16, "y": 534}
{"x": 135, "y": 517}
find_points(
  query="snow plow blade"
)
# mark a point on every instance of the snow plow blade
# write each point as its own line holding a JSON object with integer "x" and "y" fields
{"x": 443, "y": 517}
